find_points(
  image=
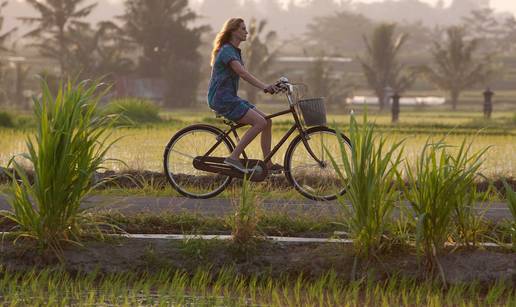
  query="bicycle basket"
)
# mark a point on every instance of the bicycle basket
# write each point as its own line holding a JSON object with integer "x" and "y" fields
{"x": 313, "y": 111}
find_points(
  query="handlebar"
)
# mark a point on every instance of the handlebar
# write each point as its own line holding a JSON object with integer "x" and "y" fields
{"x": 283, "y": 85}
{"x": 286, "y": 87}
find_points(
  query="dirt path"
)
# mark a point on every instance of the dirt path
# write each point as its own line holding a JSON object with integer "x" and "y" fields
{"x": 222, "y": 207}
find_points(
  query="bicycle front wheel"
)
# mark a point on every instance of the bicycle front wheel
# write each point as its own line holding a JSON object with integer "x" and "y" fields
{"x": 317, "y": 179}
{"x": 183, "y": 148}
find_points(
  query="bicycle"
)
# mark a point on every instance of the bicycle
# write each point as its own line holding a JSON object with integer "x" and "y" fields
{"x": 193, "y": 158}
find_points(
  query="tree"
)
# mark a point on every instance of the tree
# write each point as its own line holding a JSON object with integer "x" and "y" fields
{"x": 483, "y": 25}
{"x": 258, "y": 55}
{"x": 455, "y": 66}
{"x": 82, "y": 41}
{"x": 380, "y": 66}
{"x": 339, "y": 33}
{"x": 323, "y": 82}
{"x": 98, "y": 52}
{"x": 319, "y": 78}
{"x": 510, "y": 35}
{"x": 160, "y": 28}
{"x": 420, "y": 37}
{"x": 56, "y": 16}
{"x": 111, "y": 50}
{"x": 4, "y": 37}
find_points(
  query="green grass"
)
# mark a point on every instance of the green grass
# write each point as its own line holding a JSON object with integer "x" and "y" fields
{"x": 227, "y": 287}
{"x": 272, "y": 224}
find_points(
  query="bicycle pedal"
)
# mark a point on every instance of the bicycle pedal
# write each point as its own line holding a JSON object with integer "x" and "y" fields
{"x": 278, "y": 172}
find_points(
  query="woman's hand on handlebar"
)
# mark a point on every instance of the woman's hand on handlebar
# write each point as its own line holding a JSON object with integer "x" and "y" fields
{"x": 272, "y": 89}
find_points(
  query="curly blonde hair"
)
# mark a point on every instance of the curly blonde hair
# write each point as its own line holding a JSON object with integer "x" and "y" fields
{"x": 224, "y": 36}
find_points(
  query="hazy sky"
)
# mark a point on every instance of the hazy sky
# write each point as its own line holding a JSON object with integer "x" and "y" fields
{"x": 499, "y": 5}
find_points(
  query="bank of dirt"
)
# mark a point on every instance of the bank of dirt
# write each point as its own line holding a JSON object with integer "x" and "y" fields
{"x": 260, "y": 258}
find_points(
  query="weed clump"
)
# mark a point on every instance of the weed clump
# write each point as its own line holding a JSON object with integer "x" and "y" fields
{"x": 6, "y": 119}
{"x": 133, "y": 111}
{"x": 69, "y": 147}
{"x": 368, "y": 171}
{"x": 439, "y": 188}
{"x": 244, "y": 223}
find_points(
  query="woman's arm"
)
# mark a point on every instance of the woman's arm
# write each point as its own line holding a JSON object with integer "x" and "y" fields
{"x": 247, "y": 76}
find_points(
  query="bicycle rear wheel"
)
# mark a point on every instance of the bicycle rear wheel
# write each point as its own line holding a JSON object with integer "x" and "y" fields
{"x": 183, "y": 148}
{"x": 314, "y": 180}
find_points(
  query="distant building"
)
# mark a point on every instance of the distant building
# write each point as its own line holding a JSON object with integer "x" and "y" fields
{"x": 414, "y": 101}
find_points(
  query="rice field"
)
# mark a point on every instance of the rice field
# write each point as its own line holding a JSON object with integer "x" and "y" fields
{"x": 227, "y": 288}
{"x": 141, "y": 148}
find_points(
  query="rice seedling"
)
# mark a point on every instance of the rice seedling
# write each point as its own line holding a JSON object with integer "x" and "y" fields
{"x": 436, "y": 190}
{"x": 368, "y": 172}
{"x": 68, "y": 148}
{"x": 228, "y": 287}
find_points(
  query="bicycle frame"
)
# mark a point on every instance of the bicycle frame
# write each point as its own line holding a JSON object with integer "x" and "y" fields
{"x": 297, "y": 126}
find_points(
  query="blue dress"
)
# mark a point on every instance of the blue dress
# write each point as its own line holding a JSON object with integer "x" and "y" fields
{"x": 222, "y": 92}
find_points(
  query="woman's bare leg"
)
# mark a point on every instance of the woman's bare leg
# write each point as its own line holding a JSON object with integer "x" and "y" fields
{"x": 266, "y": 137}
{"x": 257, "y": 122}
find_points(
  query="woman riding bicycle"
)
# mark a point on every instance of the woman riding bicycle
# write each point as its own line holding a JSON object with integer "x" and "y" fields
{"x": 227, "y": 68}
{"x": 201, "y": 160}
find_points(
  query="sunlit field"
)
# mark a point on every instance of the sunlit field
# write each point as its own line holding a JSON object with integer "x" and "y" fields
{"x": 141, "y": 148}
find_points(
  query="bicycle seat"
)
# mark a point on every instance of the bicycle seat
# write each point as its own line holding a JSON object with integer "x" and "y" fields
{"x": 225, "y": 120}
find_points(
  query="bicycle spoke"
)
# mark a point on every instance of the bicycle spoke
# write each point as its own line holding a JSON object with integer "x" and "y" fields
{"x": 182, "y": 150}
{"x": 182, "y": 154}
{"x": 308, "y": 176}
{"x": 306, "y": 166}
